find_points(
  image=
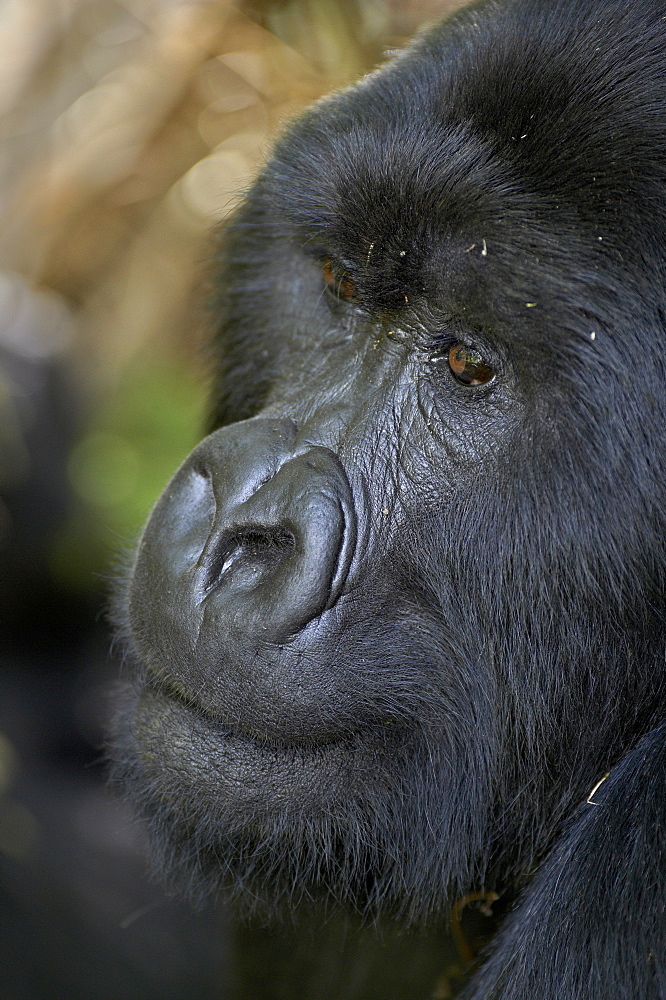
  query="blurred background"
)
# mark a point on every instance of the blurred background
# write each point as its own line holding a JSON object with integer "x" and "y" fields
{"x": 128, "y": 129}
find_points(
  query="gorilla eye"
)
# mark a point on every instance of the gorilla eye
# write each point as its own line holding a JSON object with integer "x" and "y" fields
{"x": 340, "y": 284}
{"x": 468, "y": 367}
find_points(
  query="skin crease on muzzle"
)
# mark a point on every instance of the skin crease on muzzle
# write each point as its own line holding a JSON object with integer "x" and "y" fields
{"x": 403, "y": 607}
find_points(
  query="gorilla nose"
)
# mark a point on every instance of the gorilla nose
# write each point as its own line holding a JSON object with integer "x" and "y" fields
{"x": 251, "y": 541}
{"x": 282, "y": 534}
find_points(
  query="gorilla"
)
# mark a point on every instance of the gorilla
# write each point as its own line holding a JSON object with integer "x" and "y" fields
{"x": 396, "y": 629}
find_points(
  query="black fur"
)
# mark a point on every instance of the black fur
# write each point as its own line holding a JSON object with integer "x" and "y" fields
{"x": 496, "y": 642}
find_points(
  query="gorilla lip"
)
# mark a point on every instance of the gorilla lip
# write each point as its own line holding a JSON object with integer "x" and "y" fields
{"x": 238, "y": 769}
{"x": 225, "y": 730}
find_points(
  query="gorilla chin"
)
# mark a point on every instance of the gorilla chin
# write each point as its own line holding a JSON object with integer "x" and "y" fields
{"x": 405, "y": 604}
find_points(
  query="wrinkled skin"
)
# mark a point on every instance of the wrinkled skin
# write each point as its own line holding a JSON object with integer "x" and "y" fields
{"x": 403, "y": 607}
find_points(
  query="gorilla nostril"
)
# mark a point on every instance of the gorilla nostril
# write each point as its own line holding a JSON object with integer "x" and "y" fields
{"x": 246, "y": 554}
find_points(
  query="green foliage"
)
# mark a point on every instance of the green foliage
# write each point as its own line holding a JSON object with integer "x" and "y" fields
{"x": 119, "y": 466}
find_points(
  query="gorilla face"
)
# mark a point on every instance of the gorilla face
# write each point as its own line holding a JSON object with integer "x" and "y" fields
{"x": 403, "y": 605}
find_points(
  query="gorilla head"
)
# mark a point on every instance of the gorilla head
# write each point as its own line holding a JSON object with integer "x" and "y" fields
{"x": 404, "y": 605}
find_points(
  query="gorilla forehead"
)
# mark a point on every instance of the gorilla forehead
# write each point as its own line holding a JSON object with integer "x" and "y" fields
{"x": 495, "y": 130}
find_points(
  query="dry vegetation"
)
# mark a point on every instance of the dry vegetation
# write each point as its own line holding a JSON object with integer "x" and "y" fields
{"x": 129, "y": 128}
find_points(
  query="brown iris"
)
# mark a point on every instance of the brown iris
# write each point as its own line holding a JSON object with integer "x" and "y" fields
{"x": 337, "y": 282}
{"x": 469, "y": 367}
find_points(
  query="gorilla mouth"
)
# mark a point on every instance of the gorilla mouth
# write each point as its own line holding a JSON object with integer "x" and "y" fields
{"x": 223, "y": 729}
{"x": 175, "y": 756}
